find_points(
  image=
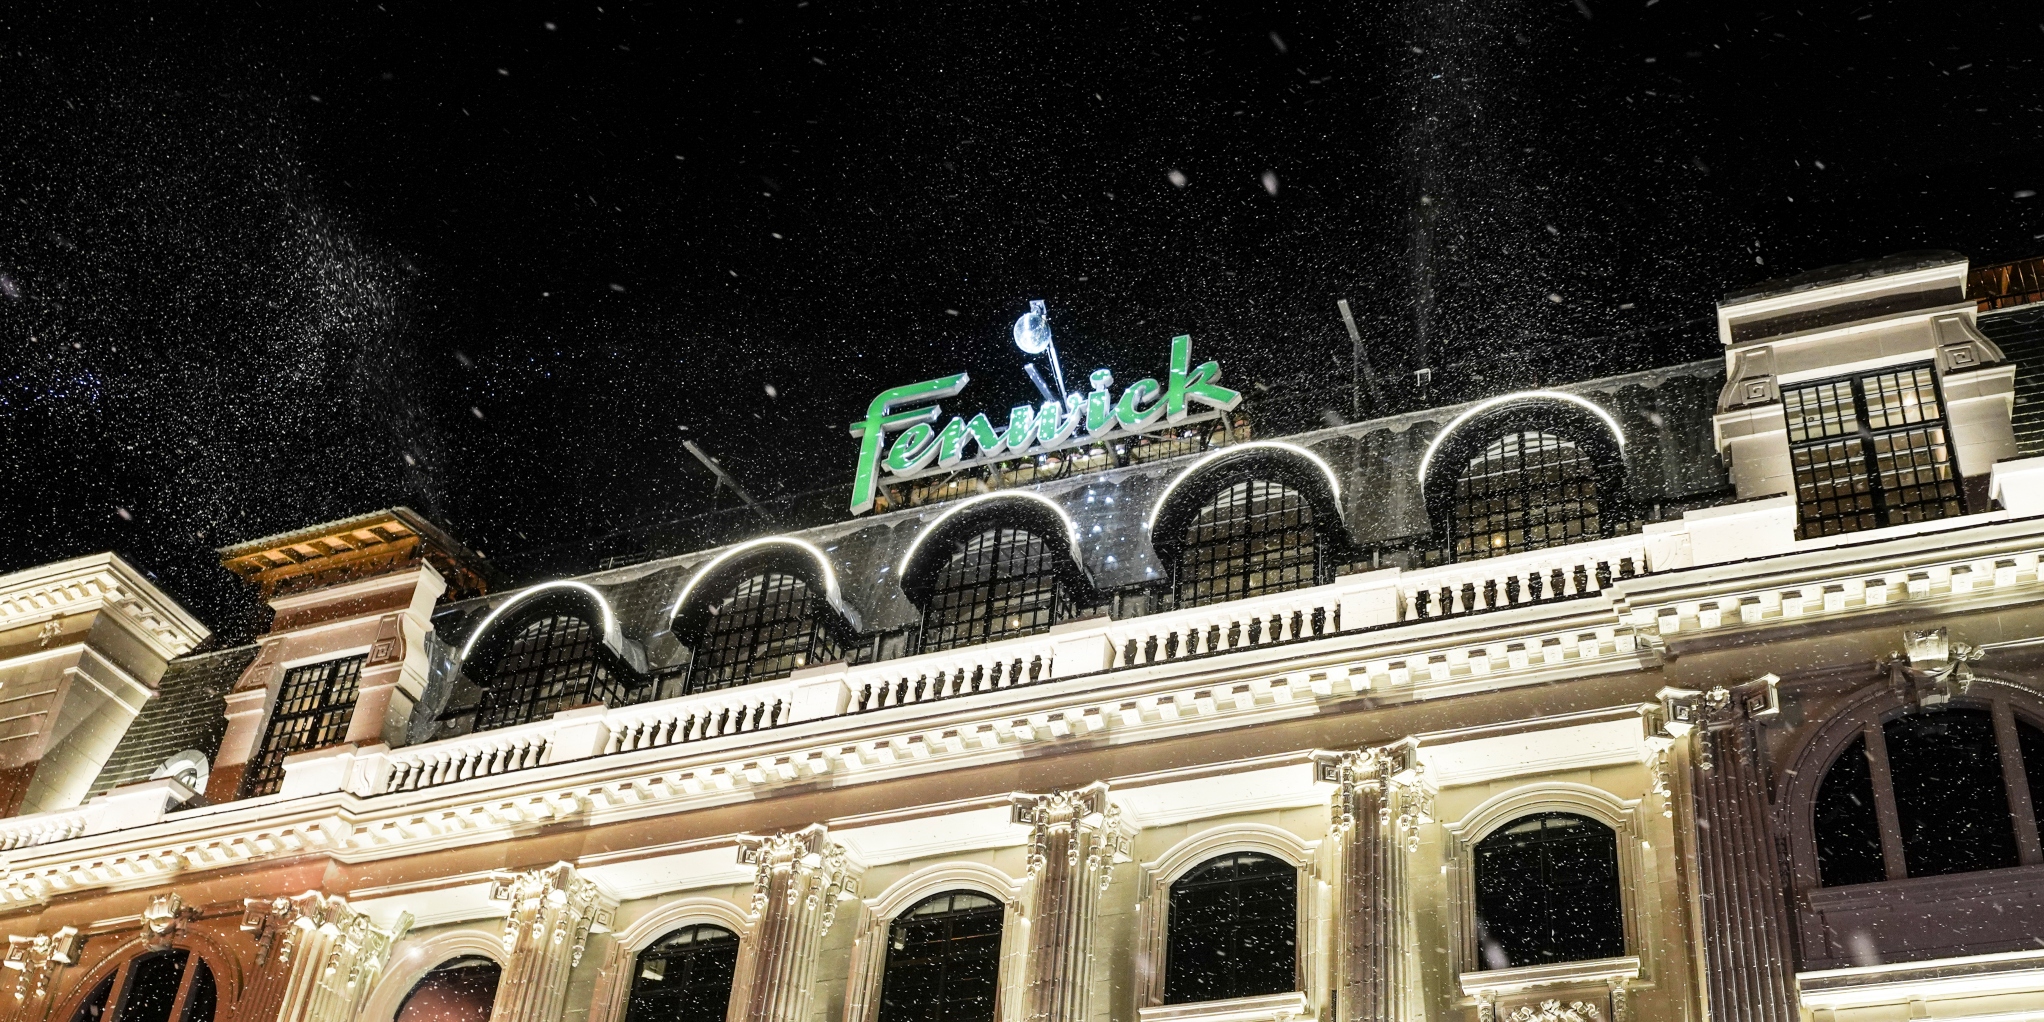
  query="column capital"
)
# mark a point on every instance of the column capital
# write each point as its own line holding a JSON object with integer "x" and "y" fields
{"x": 1086, "y": 810}
{"x": 528, "y": 895}
{"x": 1395, "y": 772}
{"x": 37, "y": 957}
{"x": 278, "y": 923}
{"x": 821, "y": 871}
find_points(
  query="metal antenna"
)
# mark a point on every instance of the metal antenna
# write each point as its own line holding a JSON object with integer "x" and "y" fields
{"x": 1359, "y": 364}
{"x": 724, "y": 479}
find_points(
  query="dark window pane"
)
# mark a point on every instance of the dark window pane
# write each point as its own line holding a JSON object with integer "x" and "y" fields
{"x": 686, "y": 975}
{"x": 95, "y": 1005}
{"x": 1233, "y": 930}
{"x": 2031, "y": 741}
{"x": 769, "y": 627}
{"x": 943, "y": 961}
{"x": 1252, "y": 538}
{"x": 315, "y": 704}
{"x": 1847, "y": 822}
{"x": 999, "y": 584}
{"x": 555, "y": 662}
{"x": 460, "y": 991}
{"x": 200, "y": 1003}
{"x": 1547, "y": 891}
{"x": 1524, "y": 492}
{"x": 152, "y": 987}
{"x": 1949, "y": 793}
{"x": 1870, "y": 451}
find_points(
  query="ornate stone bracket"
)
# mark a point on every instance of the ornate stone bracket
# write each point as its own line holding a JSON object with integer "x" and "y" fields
{"x": 821, "y": 875}
{"x": 799, "y": 877}
{"x": 37, "y": 957}
{"x": 1075, "y": 838}
{"x": 1932, "y": 667}
{"x": 165, "y": 919}
{"x": 279, "y": 924}
{"x": 555, "y": 905}
{"x": 1392, "y": 771}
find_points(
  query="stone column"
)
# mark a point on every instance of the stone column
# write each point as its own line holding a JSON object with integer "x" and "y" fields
{"x": 1380, "y": 802}
{"x": 800, "y": 878}
{"x": 316, "y": 957}
{"x": 1075, "y": 839}
{"x": 551, "y": 913}
{"x": 1741, "y": 894}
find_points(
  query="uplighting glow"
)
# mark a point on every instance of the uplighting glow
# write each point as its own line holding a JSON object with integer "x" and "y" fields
{"x": 610, "y": 632}
{"x": 1524, "y": 395}
{"x": 830, "y": 590}
{"x": 1071, "y": 530}
{"x": 1333, "y": 484}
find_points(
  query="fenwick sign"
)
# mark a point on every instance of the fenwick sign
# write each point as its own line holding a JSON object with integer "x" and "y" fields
{"x": 1191, "y": 393}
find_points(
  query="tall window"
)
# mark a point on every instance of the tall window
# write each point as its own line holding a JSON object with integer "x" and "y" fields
{"x": 687, "y": 975}
{"x": 1523, "y": 492}
{"x": 1942, "y": 775}
{"x": 1547, "y": 890}
{"x": 554, "y": 662}
{"x": 943, "y": 961}
{"x": 769, "y": 627}
{"x": 1870, "y": 451}
{"x": 462, "y": 990}
{"x": 1252, "y": 538}
{"x": 314, "y": 707}
{"x": 164, "y": 986}
{"x": 1233, "y": 930}
{"x": 999, "y": 584}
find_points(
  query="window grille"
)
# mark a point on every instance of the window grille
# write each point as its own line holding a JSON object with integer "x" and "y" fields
{"x": 315, "y": 704}
{"x": 999, "y": 584}
{"x": 943, "y": 961}
{"x": 1523, "y": 492}
{"x": 1233, "y": 930}
{"x": 555, "y": 662}
{"x": 154, "y": 987}
{"x": 686, "y": 975}
{"x": 1252, "y": 538}
{"x": 769, "y": 627}
{"x": 1870, "y": 451}
{"x": 1547, "y": 890}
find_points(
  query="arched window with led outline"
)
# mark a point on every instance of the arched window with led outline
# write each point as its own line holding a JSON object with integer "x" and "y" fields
{"x": 686, "y": 974}
{"x": 169, "y": 985}
{"x": 996, "y": 566}
{"x": 550, "y": 648}
{"x": 943, "y": 960}
{"x": 1254, "y": 518}
{"x": 759, "y": 611}
{"x": 1525, "y": 472}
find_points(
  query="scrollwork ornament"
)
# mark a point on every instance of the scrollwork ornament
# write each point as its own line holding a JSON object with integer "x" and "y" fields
{"x": 555, "y": 904}
{"x": 821, "y": 873}
{"x": 37, "y": 957}
{"x": 165, "y": 919}
{"x": 1555, "y": 1011}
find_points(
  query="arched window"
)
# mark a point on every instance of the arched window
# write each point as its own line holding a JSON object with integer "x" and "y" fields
{"x": 685, "y": 975}
{"x": 1524, "y": 491}
{"x": 943, "y": 960}
{"x": 1233, "y": 930}
{"x": 1250, "y": 538}
{"x": 1547, "y": 890}
{"x": 998, "y": 584}
{"x": 768, "y": 626}
{"x": 162, "y": 986}
{"x": 554, "y": 661}
{"x": 461, "y": 990}
{"x": 1941, "y": 776}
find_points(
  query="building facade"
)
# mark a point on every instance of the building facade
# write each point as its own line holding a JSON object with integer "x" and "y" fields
{"x": 1709, "y": 692}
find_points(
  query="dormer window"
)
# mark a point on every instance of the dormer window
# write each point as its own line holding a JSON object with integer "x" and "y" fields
{"x": 1870, "y": 451}
{"x": 999, "y": 584}
{"x": 1248, "y": 539}
{"x": 767, "y": 626}
{"x": 1524, "y": 491}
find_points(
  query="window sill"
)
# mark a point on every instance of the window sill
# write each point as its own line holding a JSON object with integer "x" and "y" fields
{"x": 1289, "y": 1007}
{"x": 1599, "y": 972}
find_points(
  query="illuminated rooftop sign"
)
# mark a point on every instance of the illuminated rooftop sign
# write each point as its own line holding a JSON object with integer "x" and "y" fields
{"x": 1190, "y": 394}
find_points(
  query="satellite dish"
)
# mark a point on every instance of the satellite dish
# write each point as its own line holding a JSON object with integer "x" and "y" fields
{"x": 1032, "y": 330}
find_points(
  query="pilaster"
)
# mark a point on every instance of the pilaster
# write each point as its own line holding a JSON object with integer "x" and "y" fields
{"x": 35, "y": 960}
{"x": 798, "y": 881}
{"x": 316, "y": 957}
{"x": 1380, "y": 802}
{"x": 550, "y": 914}
{"x": 1076, "y": 837}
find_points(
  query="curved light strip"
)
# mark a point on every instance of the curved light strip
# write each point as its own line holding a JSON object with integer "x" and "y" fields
{"x": 1071, "y": 530}
{"x": 610, "y": 632}
{"x": 1333, "y": 484}
{"x": 830, "y": 590}
{"x": 1524, "y": 395}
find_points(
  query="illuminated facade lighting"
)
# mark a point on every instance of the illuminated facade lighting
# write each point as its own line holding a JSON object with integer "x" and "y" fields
{"x": 1515, "y": 398}
{"x": 1333, "y": 484}
{"x": 611, "y": 637}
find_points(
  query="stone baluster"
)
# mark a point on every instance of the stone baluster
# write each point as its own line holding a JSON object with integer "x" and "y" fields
{"x": 551, "y": 912}
{"x": 1381, "y": 800}
{"x": 1076, "y": 837}
{"x": 799, "y": 879}
{"x": 36, "y": 958}
{"x": 316, "y": 957}
{"x": 1743, "y": 899}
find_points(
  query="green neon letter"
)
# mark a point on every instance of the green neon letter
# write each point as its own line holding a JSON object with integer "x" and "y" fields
{"x": 1138, "y": 406}
{"x": 1099, "y": 405}
{"x": 880, "y": 416}
{"x": 913, "y": 450}
{"x": 1189, "y": 384}
{"x": 1054, "y": 423}
{"x": 1021, "y": 428}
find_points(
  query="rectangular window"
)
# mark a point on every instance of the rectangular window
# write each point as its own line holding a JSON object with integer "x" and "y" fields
{"x": 314, "y": 706}
{"x": 1870, "y": 451}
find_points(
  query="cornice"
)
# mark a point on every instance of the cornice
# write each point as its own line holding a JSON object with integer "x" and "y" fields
{"x": 96, "y": 582}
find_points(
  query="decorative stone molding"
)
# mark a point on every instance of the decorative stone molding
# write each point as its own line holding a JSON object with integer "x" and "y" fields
{"x": 1554, "y": 1011}
{"x": 165, "y": 919}
{"x": 37, "y": 957}
{"x": 1553, "y": 993}
{"x": 1381, "y": 800}
{"x": 1933, "y": 666}
{"x": 331, "y": 955}
{"x": 1075, "y": 839}
{"x": 800, "y": 877}
{"x": 551, "y": 913}
{"x": 101, "y": 581}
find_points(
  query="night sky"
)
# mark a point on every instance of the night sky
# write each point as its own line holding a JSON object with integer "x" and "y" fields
{"x": 264, "y": 271}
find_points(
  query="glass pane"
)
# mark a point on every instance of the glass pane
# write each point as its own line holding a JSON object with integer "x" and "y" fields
{"x": 1233, "y": 930}
{"x": 1902, "y": 398}
{"x": 2031, "y": 741}
{"x": 152, "y": 987}
{"x": 1949, "y": 792}
{"x": 943, "y": 961}
{"x": 769, "y": 627}
{"x": 1547, "y": 891}
{"x": 687, "y": 975}
{"x": 1251, "y": 538}
{"x": 459, "y": 991}
{"x": 315, "y": 705}
{"x": 1848, "y": 824}
{"x": 199, "y": 1006}
{"x": 999, "y": 584}
{"x": 1815, "y": 413}
{"x": 94, "y": 1007}
{"x": 1524, "y": 492}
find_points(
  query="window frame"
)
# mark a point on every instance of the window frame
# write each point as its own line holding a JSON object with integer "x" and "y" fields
{"x": 618, "y": 677}
{"x": 637, "y": 961}
{"x": 1867, "y": 459}
{"x": 119, "y": 973}
{"x": 1187, "y": 551}
{"x": 867, "y": 967}
{"x": 264, "y": 771}
{"x": 1592, "y": 525}
{"x": 999, "y": 907}
{"x": 1153, "y": 908}
{"x": 977, "y": 626}
{"x": 822, "y": 645}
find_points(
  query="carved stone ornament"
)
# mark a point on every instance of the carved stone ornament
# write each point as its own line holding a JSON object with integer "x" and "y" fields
{"x": 37, "y": 957}
{"x": 556, "y": 904}
{"x": 1685, "y": 712}
{"x": 165, "y": 918}
{"x": 1104, "y": 837}
{"x": 1555, "y": 1011}
{"x": 820, "y": 877}
{"x": 1933, "y": 666}
{"x": 278, "y": 925}
{"x": 1397, "y": 771}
